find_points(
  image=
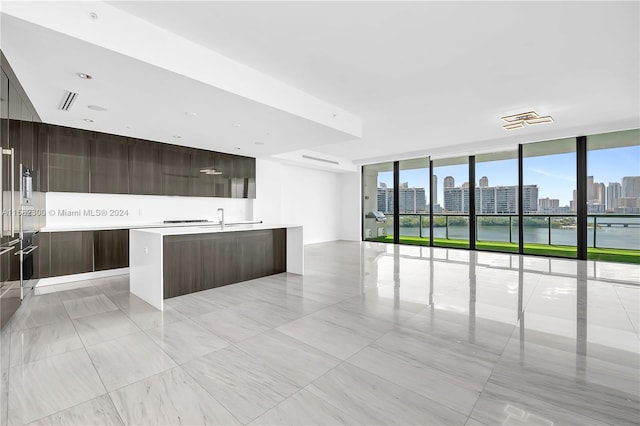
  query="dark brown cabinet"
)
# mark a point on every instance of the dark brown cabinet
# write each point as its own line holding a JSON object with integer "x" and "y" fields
{"x": 109, "y": 164}
{"x": 222, "y": 182}
{"x": 176, "y": 169}
{"x": 199, "y": 262}
{"x": 110, "y": 249}
{"x": 244, "y": 178}
{"x": 42, "y": 255}
{"x": 71, "y": 252}
{"x": 202, "y": 184}
{"x": 145, "y": 168}
{"x": 67, "y": 163}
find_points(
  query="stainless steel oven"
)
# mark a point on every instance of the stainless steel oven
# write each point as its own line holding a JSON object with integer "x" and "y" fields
{"x": 27, "y": 230}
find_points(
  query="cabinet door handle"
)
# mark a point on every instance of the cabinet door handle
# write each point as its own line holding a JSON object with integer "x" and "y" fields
{"x": 5, "y": 250}
{"x": 29, "y": 250}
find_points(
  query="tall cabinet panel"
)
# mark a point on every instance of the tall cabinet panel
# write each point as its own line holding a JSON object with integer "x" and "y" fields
{"x": 176, "y": 170}
{"x": 145, "y": 170}
{"x": 109, "y": 164}
{"x": 67, "y": 163}
{"x": 223, "y": 182}
{"x": 202, "y": 184}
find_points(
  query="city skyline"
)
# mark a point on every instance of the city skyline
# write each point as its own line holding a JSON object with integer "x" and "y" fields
{"x": 554, "y": 174}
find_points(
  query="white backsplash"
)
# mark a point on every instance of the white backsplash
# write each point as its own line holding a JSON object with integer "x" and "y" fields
{"x": 68, "y": 209}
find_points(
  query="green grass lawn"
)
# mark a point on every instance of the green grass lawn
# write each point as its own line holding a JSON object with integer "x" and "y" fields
{"x": 608, "y": 255}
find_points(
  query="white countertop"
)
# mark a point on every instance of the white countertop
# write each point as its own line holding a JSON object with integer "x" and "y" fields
{"x": 204, "y": 229}
{"x": 140, "y": 226}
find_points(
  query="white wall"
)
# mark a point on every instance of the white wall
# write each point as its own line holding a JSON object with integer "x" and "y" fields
{"x": 141, "y": 209}
{"x": 351, "y": 206}
{"x": 299, "y": 196}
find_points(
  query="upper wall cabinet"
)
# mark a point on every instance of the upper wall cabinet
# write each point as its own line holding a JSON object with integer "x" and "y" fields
{"x": 176, "y": 169}
{"x": 68, "y": 159}
{"x": 109, "y": 164}
{"x": 145, "y": 168}
{"x": 202, "y": 183}
{"x": 74, "y": 160}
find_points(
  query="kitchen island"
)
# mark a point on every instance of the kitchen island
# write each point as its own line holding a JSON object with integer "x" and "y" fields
{"x": 172, "y": 261}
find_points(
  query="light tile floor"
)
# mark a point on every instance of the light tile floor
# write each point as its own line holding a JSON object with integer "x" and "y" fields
{"x": 371, "y": 334}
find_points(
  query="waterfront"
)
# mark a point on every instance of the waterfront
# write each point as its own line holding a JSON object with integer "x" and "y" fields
{"x": 606, "y": 237}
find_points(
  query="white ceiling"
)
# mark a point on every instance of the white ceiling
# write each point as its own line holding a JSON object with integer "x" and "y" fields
{"x": 425, "y": 77}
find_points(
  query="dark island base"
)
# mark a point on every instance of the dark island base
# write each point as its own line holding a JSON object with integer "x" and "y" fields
{"x": 199, "y": 262}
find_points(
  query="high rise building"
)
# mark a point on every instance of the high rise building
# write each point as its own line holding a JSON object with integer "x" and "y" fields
{"x": 434, "y": 185}
{"x": 484, "y": 182}
{"x": 614, "y": 191}
{"x": 591, "y": 192}
{"x": 449, "y": 182}
{"x": 548, "y": 205}
{"x": 631, "y": 186}
{"x": 492, "y": 199}
{"x": 410, "y": 200}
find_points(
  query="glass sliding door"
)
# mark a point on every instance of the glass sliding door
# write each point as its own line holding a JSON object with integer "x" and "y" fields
{"x": 413, "y": 196}
{"x": 377, "y": 202}
{"x": 496, "y": 197}
{"x": 613, "y": 196}
{"x": 451, "y": 206}
{"x": 550, "y": 198}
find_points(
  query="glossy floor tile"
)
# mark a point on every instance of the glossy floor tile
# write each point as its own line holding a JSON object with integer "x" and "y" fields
{"x": 128, "y": 359}
{"x": 89, "y": 305}
{"x": 99, "y": 328}
{"x": 243, "y": 384}
{"x": 96, "y": 412}
{"x": 371, "y": 334}
{"x": 169, "y": 398}
{"x": 185, "y": 340}
{"x": 44, "y": 387}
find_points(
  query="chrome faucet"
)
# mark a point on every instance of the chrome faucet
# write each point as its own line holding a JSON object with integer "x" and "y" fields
{"x": 221, "y": 217}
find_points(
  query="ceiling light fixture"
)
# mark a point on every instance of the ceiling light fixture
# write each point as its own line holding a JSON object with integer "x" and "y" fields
{"x": 88, "y": 120}
{"x": 517, "y": 121}
{"x": 191, "y": 114}
{"x": 177, "y": 137}
{"x": 97, "y": 108}
{"x": 93, "y": 16}
{"x": 235, "y": 125}
{"x": 259, "y": 143}
{"x": 84, "y": 76}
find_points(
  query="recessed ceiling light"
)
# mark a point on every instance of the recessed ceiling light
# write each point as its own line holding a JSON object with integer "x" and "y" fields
{"x": 128, "y": 127}
{"x": 93, "y": 16}
{"x": 177, "y": 136}
{"x": 237, "y": 147}
{"x": 235, "y": 125}
{"x": 517, "y": 121}
{"x": 259, "y": 143}
{"x": 88, "y": 120}
{"x": 191, "y": 114}
{"x": 84, "y": 76}
{"x": 97, "y": 108}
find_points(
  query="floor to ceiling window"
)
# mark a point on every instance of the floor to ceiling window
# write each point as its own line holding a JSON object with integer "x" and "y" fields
{"x": 377, "y": 202}
{"x": 573, "y": 198}
{"x": 549, "y": 199}
{"x": 451, "y": 212}
{"x": 496, "y": 201}
{"x": 413, "y": 196}
{"x": 613, "y": 195}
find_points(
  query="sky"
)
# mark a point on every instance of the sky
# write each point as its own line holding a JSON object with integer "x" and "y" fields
{"x": 555, "y": 175}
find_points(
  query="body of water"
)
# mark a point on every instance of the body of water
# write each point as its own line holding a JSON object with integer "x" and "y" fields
{"x": 606, "y": 237}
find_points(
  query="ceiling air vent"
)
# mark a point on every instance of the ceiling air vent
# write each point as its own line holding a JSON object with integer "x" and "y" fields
{"x": 67, "y": 100}
{"x": 319, "y": 159}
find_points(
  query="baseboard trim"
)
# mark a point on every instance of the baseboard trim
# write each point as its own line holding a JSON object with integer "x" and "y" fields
{"x": 63, "y": 279}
